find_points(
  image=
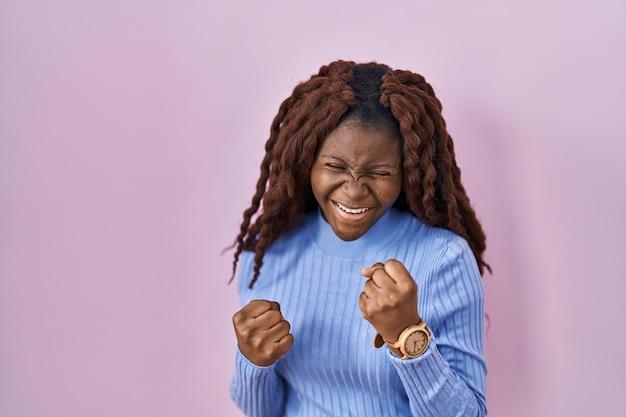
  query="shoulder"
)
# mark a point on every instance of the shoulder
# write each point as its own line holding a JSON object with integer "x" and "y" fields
{"x": 447, "y": 275}
{"x": 436, "y": 254}
{"x": 295, "y": 239}
{"x": 448, "y": 244}
{"x": 297, "y": 235}
{"x": 431, "y": 239}
{"x": 284, "y": 251}
{"x": 454, "y": 269}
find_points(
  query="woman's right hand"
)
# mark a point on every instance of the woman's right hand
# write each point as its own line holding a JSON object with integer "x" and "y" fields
{"x": 262, "y": 332}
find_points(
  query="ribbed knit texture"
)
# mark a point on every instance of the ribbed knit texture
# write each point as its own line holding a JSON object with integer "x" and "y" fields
{"x": 333, "y": 368}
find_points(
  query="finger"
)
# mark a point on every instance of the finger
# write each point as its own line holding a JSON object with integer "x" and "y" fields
{"x": 362, "y": 300}
{"x": 268, "y": 319}
{"x": 370, "y": 288}
{"x": 381, "y": 280}
{"x": 279, "y": 330}
{"x": 256, "y": 308}
{"x": 250, "y": 311}
{"x": 274, "y": 306}
{"x": 367, "y": 272}
{"x": 284, "y": 344}
{"x": 397, "y": 271}
{"x": 363, "y": 305}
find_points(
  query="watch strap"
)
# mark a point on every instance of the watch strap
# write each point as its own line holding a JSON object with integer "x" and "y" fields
{"x": 379, "y": 341}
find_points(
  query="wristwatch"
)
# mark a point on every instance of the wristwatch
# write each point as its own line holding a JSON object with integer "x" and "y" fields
{"x": 413, "y": 341}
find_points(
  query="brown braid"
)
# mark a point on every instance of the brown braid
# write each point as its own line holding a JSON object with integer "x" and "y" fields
{"x": 432, "y": 188}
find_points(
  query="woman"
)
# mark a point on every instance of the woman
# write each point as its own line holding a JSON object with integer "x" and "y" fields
{"x": 360, "y": 258}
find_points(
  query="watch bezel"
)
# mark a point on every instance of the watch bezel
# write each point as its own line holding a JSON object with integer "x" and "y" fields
{"x": 400, "y": 344}
{"x": 406, "y": 334}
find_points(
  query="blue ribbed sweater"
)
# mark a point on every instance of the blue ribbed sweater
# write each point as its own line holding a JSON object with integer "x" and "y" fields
{"x": 333, "y": 368}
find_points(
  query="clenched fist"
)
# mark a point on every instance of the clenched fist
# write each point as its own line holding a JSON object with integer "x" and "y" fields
{"x": 262, "y": 332}
{"x": 389, "y": 299}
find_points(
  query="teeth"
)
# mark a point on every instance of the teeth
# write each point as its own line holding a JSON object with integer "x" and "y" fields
{"x": 352, "y": 211}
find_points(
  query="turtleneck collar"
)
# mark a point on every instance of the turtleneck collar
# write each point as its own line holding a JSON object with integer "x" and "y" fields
{"x": 385, "y": 231}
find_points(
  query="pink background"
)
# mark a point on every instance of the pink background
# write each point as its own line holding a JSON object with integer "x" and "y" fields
{"x": 130, "y": 138}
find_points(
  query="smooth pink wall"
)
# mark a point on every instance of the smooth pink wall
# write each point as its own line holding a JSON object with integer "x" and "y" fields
{"x": 130, "y": 136}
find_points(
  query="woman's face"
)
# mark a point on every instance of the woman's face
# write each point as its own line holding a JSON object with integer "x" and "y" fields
{"x": 356, "y": 177}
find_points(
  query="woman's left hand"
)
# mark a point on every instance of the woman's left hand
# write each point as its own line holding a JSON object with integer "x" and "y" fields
{"x": 389, "y": 299}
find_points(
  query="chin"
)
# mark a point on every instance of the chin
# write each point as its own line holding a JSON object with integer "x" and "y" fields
{"x": 348, "y": 236}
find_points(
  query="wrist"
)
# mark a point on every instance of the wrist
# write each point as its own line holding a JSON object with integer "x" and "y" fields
{"x": 411, "y": 343}
{"x": 392, "y": 336}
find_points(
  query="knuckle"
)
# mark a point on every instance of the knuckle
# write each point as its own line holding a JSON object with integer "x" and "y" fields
{"x": 274, "y": 316}
{"x": 244, "y": 332}
{"x": 287, "y": 326}
{"x": 238, "y": 317}
{"x": 247, "y": 335}
{"x": 290, "y": 341}
{"x": 258, "y": 344}
{"x": 379, "y": 270}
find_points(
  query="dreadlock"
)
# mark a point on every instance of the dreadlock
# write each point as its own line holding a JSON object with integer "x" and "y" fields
{"x": 376, "y": 95}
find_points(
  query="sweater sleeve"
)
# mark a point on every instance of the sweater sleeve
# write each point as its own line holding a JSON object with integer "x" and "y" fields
{"x": 449, "y": 378}
{"x": 257, "y": 390}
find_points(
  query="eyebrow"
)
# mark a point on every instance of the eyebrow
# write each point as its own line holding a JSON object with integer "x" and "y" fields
{"x": 384, "y": 165}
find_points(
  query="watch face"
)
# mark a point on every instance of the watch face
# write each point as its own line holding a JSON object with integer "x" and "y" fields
{"x": 416, "y": 343}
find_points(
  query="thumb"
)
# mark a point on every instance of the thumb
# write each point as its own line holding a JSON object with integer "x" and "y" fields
{"x": 274, "y": 306}
{"x": 368, "y": 272}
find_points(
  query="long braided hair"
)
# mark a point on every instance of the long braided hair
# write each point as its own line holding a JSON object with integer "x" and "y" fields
{"x": 373, "y": 94}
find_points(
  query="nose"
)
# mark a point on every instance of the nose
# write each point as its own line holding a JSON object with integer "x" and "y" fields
{"x": 355, "y": 187}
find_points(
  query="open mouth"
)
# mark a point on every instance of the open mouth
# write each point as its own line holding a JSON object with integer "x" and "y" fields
{"x": 352, "y": 210}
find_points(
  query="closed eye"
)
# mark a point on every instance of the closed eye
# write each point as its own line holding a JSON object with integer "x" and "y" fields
{"x": 334, "y": 166}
